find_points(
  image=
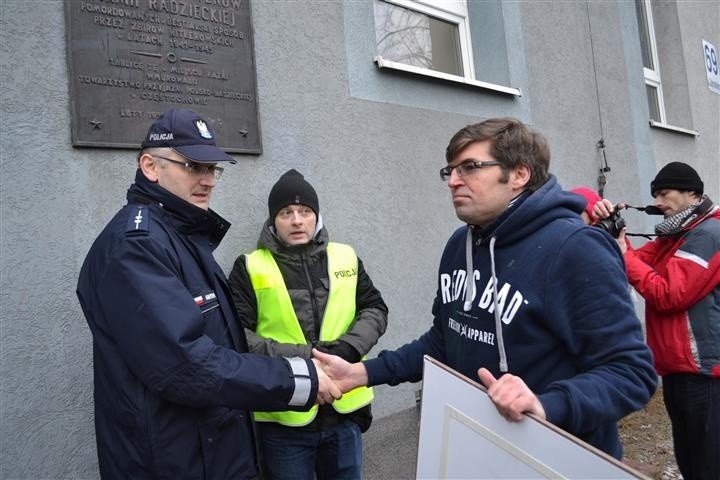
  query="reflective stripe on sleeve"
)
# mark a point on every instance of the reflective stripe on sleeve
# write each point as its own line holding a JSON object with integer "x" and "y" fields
{"x": 303, "y": 382}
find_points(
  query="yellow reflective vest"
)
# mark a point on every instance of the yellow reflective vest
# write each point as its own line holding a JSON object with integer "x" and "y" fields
{"x": 277, "y": 319}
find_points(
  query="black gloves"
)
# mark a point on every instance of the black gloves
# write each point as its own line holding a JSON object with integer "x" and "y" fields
{"x": 342, "y": 349}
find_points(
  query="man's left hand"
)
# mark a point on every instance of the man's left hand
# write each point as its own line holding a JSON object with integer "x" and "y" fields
{"x": 511, "y": 396}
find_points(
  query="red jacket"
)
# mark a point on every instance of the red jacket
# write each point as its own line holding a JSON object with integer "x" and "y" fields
{"x": 679, "y": 278}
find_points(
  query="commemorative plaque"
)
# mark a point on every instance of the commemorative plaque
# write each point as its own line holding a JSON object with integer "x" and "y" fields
{"x": 130, "y": 60}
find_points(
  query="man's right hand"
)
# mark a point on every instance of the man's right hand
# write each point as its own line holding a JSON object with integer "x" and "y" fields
{"x": 604, "y": 208}
{"x": 346, "y": 376}
{"x": 328, "y": 391}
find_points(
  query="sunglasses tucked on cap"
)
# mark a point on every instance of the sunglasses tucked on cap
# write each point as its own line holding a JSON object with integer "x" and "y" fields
{"x": 187, "y": 133}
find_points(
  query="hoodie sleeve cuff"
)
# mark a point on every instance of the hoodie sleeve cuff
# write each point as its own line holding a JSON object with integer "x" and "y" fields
{"x": 305, "y": 378}
{"x": 376, "y": 371}
{"x": 557, "y": 408}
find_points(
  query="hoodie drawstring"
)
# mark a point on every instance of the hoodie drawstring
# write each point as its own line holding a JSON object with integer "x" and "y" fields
{"x": 496, "y": 309}
{"x": 470, "y": 293}
{"x": 469, "y": 272}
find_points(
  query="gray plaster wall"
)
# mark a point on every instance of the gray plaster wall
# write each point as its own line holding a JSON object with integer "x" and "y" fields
{"x": 371, "y": 143}
{"x": 694, "y": 25}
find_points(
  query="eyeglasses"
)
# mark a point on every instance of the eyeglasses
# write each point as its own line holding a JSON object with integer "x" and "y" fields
{"x": 197, "y": 168}
{"x": 288, "y": 213}
{"x": 466, "y": 168}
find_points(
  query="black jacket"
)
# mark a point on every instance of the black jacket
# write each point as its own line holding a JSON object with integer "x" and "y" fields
{"x": 305, "y": 271}
{"x": 171, "y": 391}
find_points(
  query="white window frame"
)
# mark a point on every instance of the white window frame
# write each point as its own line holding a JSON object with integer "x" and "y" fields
{"x": 452, "y": 11}
{"x": 652, "y": 75}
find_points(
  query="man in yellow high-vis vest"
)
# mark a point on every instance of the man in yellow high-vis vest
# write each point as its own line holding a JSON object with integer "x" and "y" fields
{"x": 295, "y": 292}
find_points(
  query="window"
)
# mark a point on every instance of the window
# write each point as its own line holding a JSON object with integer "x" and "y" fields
{"x": 427, "y": 37}
{"x": 648, "y": 46}
{"x": 661, "y": 49}
{"x": 424, "y": 36}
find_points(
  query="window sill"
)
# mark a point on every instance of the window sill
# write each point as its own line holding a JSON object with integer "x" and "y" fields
{"x": 382, "y": 63}
{"x": 672, "y": 128}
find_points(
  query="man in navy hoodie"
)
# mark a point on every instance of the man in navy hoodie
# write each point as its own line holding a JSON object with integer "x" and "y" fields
{"x": 173, "y": 384}
{"x": 548, "y": 328}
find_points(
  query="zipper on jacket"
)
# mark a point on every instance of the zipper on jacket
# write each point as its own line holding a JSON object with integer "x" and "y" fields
{"x": 313, "y": 300}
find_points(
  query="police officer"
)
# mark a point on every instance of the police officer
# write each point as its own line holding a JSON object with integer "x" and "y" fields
{"x": 173, "y": 385}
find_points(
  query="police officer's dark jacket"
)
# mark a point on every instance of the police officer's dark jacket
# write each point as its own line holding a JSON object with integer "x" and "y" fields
{"x": 171, "y": 391}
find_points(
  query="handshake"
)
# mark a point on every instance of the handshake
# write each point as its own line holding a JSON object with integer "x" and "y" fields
{"x": 509, "y": 393}
{"x": 336, "y": 376}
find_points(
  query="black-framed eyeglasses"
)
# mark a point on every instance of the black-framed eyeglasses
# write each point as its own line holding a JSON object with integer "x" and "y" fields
{"x": 197, "y": 168}
{"x": 466, "y": 168}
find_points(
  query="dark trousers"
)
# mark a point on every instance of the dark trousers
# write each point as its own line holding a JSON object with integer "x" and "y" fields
{"x": 693, "y": 404}
{"x": 290, "y": 453}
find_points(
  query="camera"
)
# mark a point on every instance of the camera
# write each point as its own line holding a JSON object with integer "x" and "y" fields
{"x": 613, "y": 224}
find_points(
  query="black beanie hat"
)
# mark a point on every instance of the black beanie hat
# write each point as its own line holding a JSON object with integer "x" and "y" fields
{"x": 677, "y": 176}
{"x": 292, "y": 189}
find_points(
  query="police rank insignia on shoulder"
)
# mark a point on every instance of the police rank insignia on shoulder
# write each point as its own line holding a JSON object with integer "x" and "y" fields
{"x": 138, "y": 220}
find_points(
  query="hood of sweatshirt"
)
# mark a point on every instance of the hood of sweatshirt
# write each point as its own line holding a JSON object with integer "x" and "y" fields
{"x": 526, "y": 213}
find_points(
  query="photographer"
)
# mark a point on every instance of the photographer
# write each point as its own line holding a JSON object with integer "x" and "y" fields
{"x": 678, "y": 275}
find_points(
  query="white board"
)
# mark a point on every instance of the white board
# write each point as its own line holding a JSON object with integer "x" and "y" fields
{"x": 462, "y": 435}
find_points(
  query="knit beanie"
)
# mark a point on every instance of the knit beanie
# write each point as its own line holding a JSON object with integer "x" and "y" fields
{"x": 677, "y": 176}
{"x": 292, "y": 189}
{"x": 591, "y": 198}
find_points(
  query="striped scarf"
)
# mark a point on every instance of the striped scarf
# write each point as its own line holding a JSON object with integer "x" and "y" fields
{"x": 675, "y": 223}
